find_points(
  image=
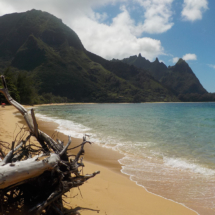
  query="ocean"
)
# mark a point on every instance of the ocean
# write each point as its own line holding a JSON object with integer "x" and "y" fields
{"x": 168, "y": 148}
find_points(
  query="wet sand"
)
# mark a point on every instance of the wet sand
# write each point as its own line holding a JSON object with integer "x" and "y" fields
{"x": 110, "y": 192}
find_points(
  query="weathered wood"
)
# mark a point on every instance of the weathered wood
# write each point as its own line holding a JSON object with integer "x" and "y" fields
{"x": 35, "y": 123}
{"x": 37, "y": 182}
{"x": 64, "y": 150}
{"x": 41, "y": 136}
{"x": 9, "y": 156}
{"x": 13, "y": 173}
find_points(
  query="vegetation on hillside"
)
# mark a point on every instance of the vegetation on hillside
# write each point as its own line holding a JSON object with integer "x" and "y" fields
{"x": 179, "y": 78}
{"x": 50, "y": 58}
{"x": 24, "y": 89}
{"x": 49, "y": 64}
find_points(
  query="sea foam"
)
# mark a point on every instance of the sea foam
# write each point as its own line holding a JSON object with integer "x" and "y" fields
{"x": 172, "y": 158}
{"x": 66, "y": 127}
{"x": 188, "y": 165}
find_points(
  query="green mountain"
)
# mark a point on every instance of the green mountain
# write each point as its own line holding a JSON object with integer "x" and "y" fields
{"x": 152, "y": 90}
{"x": 38, "y": 45}
{"x": 179, "y": 78}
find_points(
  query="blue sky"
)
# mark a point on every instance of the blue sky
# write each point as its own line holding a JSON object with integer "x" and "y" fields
{"x": 167, "y": 29}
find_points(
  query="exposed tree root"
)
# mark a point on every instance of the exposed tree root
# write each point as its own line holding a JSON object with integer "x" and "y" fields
{"x": 34, "y": 177}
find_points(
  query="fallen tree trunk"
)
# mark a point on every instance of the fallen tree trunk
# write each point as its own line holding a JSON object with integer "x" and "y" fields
{"x": 13, "y": 173}
{"x": 33, "y": 178}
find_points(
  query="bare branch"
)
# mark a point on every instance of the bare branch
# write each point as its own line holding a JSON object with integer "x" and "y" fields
{"x": 35, "y": 123}
{"x": 66, "y": 147}
{"x": 29, "y": 179}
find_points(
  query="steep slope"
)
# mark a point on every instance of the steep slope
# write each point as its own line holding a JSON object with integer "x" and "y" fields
{"x": 157, "y": 69}
{"x": 179, "y": 78}
{"x": 15, "y": 29}
{"x": 153, "y": 90}
{"x": 40, "y": 44}
{"x": 182, "y": 79}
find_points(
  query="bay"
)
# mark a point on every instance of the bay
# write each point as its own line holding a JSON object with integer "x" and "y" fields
{"x": 168, "y": 147}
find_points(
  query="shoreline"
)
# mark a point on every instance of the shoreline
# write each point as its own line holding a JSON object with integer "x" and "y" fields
{"x": 111, "y": 192}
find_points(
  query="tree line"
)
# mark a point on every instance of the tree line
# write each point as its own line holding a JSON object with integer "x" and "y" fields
{"x": 24, "y": 88}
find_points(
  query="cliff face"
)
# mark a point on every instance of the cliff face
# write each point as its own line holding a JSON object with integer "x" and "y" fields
{"x": 182, "y": 79}
{"x": 39, "y": 44}
{"x": 179, "y": 78}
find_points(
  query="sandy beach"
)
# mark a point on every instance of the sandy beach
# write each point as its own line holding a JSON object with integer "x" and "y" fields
{"x": 110, "y": 192}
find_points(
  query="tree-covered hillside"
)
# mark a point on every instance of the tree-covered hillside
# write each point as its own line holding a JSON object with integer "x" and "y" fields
{"x": 47, "y": 55}
{"x": 179, "y": 78}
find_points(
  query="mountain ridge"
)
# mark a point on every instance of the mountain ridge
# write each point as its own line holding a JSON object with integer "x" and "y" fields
{"x": 179, "y": 78}
{"x": 37, "y": 45}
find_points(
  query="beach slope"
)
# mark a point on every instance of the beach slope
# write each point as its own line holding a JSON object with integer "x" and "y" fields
{"x": 110, "y": 192}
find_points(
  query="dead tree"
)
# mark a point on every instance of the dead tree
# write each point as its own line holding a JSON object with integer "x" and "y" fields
{"x": 34, "y": 177}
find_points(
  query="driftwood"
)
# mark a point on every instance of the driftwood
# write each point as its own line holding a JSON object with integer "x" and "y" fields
{"x": 33, "y": 178}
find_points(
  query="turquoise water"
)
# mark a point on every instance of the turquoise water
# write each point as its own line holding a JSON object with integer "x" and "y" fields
{"x": 169, "y": 148}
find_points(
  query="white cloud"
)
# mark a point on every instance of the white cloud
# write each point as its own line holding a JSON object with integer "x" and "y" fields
{"x": 211, "y": 65}
{"x": 193, "y": 9}
{"x": 101, "y": 17}
{"x": 175, "y": 59}
{"x": 117, "y": 40}
{"x": 6, "y": 8}
{"x": 121, "y": 38}
{"x": 65, "y": 9}
{"x": 186, "y": 57}
{"x": 189, "y": 57}
{"x": 157, "y": 15}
